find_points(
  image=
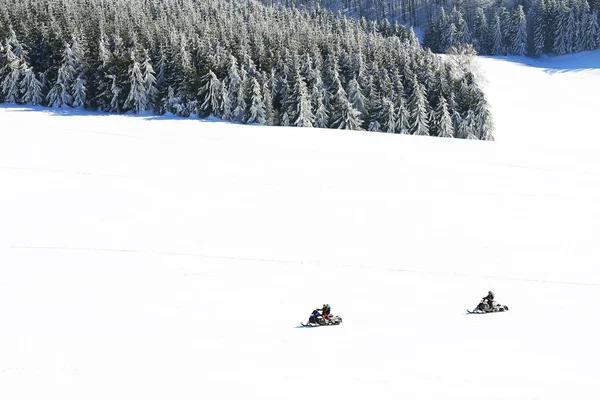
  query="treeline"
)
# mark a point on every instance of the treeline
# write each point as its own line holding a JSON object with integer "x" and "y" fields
{"x": 493, "y": 27}
{"x": 550, "y": 27}
{"x": 236, "y": 60}
{"x": 409, "y": 12}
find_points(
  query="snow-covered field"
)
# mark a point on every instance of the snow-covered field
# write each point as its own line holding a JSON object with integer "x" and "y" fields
{"x": 156, "y": 258}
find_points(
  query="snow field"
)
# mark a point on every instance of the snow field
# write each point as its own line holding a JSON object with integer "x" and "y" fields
{"x": 158, "y": 258}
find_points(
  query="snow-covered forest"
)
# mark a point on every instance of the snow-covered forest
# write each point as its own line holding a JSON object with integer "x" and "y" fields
{"x": 502, "y": 27}
{"x": 547, "y": 27}
{"x": 236, "y": 60}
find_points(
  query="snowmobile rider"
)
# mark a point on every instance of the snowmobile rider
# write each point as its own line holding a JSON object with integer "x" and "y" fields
{"x": 326, "y": 311}
{"x": 489, "y": 298}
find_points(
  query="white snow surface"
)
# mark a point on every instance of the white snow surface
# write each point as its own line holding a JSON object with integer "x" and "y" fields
{"x": 163, "y": 258}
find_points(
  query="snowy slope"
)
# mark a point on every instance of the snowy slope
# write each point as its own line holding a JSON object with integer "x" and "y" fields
{"x": 157, "y": 258}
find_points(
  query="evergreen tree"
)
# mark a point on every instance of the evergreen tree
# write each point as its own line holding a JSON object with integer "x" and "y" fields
{"x": 303, "y": 112}
{"x": 465, "y": 130}
{"x": 519, "y": 28}
{"x": 570, "y": 32}
{"x": 387, "y": 116}
{"x": 348, "y": 118}
{"x": 319, "y": 101}
{"x": 443, "y": 120}
{"x": 149, "y": 80}
{"x": 402, "y": 116}
{"x": 232, "y": 86}
{"x": 496, "y": 37}
{"x": 31, "y": 88}
{"x": 239, "y": 114}
{"x": 539, "y": 28}
{"x": 11, "y": 73}
{"x": 212, "y": 95}
{"x": 356, "y": 97}
{"x": 591, "y": 32}
{"x": 137, "y": 99}
{"x": 257, "y": 105}
{"x": 59, "y": 94}
{"x": 480, "y": 32}
{"x": 79, "y": 92}
{"x": 268, "y": 102}
{"x": 560, "y": 31}
{"x": 170, "y": 103}
{"x": 419, "y": 124}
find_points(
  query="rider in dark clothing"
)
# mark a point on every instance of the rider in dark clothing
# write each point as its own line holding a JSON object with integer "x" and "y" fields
{"x": 489, "y": 299}
{"x": 326, "y": 310}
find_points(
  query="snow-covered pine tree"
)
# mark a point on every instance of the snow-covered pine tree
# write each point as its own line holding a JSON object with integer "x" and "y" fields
{"x": 339, "y": 113}
{"x": 496, "y": 37}
{"x": 59, "y": 93}
{"x": 186, "y": 79}
{"x": 465, "y": 130}
{"x": 444, "y": 32}
{"x": 402, "y": 115}
{"x": 570, "y": 32}
{"x": 519, "y": 32}
{"x": 78, "y": 87}
{"x": 348, "y": 118}
{"x": 507, "y": 29}
{"x": 591, "y": 31}
{"x": 419, "y": 121}
{"x": 211, "y": 96}
{"x": 303, "y": 113}
{"x": 266, "y": 91}
{"x": 170, "y": 103}
{"x": 115, "y": 89}
{"x": 149, "y": 80}
{"x": 79, "y": 92}
{"x": 319, "y": 101}
{"x": 482, "y": 125}
{"x": 463, "y": 35}
{"x": 444, "y": 126}
{"x": 31, "y": 88}
{"x": 17, "y": 48}
{"x": 11, "y": 74}
{"x": 257, "y": 110}
{"x": 387, "y": 116}
{"x": 239, "y": 114}
{"x": 356, "y": 97}
{"x": 480, "y": 32}
{"x": 231, "y": 85}
{"x": 560, "y": 30}
{"x": 539, "y": 27}
{"x": 137, "y": 99}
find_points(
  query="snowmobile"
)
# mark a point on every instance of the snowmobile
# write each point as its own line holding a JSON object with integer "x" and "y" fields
{"x": 318, "y": 320}
{"x": 484, "y": 307}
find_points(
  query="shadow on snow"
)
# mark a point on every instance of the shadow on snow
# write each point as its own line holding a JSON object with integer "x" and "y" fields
{"x": 67, "y": 111}
{"x": 587, "y": 60}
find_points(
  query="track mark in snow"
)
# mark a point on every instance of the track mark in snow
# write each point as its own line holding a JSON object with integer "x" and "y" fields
{"x": 499, "y": 278}
{"x": 311, "y": 262}
{"x": 58, "y": 171}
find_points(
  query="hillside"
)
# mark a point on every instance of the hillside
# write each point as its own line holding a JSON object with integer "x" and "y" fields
{"x": 160, "y": 257}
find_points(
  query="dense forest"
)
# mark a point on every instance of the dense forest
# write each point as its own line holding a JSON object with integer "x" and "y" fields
{"x": 499, "y": 27}
{"x": 237, "y": 60}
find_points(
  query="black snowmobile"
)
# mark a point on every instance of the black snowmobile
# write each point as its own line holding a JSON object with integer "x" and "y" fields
{"x": 316, "y": 319}
{"x": 486, "y": 306}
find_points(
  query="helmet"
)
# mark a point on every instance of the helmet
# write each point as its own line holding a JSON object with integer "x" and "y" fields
{"x": 490, "y": 292}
